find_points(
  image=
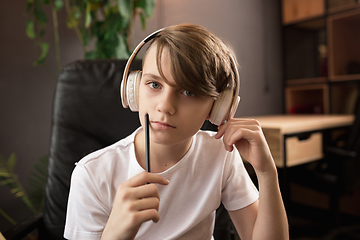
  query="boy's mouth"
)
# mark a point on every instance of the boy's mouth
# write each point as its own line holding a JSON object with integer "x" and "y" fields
{"x": 162, "y": 125}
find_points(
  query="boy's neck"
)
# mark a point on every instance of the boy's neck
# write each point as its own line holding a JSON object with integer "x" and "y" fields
{"x": 162, "y": 157}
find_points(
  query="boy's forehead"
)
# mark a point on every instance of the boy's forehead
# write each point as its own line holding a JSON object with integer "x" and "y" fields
{"x": 150, "y": 55}
{"x": 150, "y": 66}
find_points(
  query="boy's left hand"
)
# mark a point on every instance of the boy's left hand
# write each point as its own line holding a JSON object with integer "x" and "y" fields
{"x": 248, "y": 138}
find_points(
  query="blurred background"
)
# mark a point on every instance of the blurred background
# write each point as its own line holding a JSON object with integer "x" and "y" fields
{"x": 251, "y": 28}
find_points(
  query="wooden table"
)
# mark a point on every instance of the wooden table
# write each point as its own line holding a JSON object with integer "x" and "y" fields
{"x": 297, "y": 139}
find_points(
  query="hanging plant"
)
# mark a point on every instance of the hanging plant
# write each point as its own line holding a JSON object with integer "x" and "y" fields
{"x": 106, "y": 25}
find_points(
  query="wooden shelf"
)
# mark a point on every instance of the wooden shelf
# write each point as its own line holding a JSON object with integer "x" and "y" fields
{"x": 337, "y": 6}
{"x": 296, "y": 10}
{"x": 293, "y": 82}
{"x": 312, "y": 98}
{"x": 349, "y": 77}
{"x": 302, "y": 56}
{"x": 343, "y": 97}
{"x": 312, "y": 23}
{"x": 344, "y": 45}
{"x": 321, "y": 55}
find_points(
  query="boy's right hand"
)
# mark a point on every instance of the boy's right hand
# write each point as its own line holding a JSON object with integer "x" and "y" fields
{"x": 136, "y": 201}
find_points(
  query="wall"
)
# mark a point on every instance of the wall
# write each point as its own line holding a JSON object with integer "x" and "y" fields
{"x": 251, "y": 27}
{"x": 26, "y": 96}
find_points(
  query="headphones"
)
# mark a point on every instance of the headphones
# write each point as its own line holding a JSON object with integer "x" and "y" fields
{"x": 223, "y": 109}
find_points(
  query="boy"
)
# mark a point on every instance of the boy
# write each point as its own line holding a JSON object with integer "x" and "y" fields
{"x": 184, "y": 71}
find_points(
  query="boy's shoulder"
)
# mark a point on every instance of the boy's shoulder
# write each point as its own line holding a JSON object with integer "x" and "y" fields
{"x": 109, "y": 165}
{"x": 206, "y": 138}
{"x": 110, "y": 152}
{"x": 205, "y": 134}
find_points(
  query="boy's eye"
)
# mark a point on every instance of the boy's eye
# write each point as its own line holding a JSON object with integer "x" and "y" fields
{"x": 154, "y": 85}
{"x": 187, "y": 93}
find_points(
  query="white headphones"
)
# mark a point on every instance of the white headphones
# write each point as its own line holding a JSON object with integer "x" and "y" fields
{"x": 223, "y": 109}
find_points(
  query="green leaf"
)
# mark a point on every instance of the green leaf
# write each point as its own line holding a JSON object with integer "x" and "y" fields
{"x": 58, "y": 4}
{"x": 7, "y": 217}
{"x": 6, "y": 182}
{"x": 143, "y": 20}
{"x": 147, "y": 5}
{"x": 88, "y": 15}
{"x": 37, "y": 184}
{"x": 16, "y": 190}
{"x": 41, "y": 169}
{"x": 29, "y": 5}
{"x": 12, "y": 161}
{"x": 4, "y": 174}
{"x": 71, "y": 22}
{"x": 42, "y": 32}
{"x": 38, "y": 176}
{"x": 44, "y": 52}
{"x": 73, "y": 17}
{"x": 150, "y": 6}
{"x": 94, "y": 5}
{"x": 76, "y": 12}
{"x": 112, "y": 26}
{"x": 39, "y": 14}
{"x": 90, "y": 55}
{"x": 85, "y": 36}
{"x": 30, "y": 31}
{"x": 37, "y": 181}
{"x": 121, "y": 49}
{"x": 125, "y": 8}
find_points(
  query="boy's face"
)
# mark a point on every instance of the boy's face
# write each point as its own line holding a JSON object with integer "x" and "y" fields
{"x": 175, "y": 114}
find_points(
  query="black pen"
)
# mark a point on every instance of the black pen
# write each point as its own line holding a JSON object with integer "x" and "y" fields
{"x": 147, "y": 142}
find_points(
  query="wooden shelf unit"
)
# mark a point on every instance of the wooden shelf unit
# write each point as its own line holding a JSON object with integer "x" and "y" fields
{"x": 310, "y": 98}
{"x": 335, "y": 6}
{"x": 295, "y": 10}
{"x": 322, "y": 55}
{"x": 344, "y": 45}
{"x": 343, "y": 97}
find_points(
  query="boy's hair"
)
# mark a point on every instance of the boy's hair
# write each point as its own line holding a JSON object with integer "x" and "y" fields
{"x": 201, "y": 62}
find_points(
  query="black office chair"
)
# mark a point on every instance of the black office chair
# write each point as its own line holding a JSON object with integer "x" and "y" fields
{"x": 87, "y": 115}
{"x": 338, "y": 173}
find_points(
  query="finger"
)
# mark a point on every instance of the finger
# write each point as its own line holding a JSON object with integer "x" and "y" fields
{"x": 221, "y": 130}
{"x": 145, "y": 178}
{"x": 240, "y": 131}
{"x": 146, "y": 203}
{"x": 234, "y": 122}
{"x": 225, "y": 131}
{"x": 247, "y": 121}
{"x": 146, "y": 191}
{"x": 149, "y": 214}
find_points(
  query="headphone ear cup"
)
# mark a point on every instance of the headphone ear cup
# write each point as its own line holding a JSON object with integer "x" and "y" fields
{"x": 220, "y": 110}
{"x": 132, "y": 90}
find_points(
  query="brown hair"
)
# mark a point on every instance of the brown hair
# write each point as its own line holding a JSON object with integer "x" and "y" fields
{"x": 201, "y": 62}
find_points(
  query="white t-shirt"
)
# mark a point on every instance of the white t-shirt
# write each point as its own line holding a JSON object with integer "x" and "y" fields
{"x": 204, "y": 177}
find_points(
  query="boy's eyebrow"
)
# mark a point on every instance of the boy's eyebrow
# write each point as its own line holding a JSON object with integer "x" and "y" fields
{"x": 156, "y": 77}
{"x": 159, "y": 78}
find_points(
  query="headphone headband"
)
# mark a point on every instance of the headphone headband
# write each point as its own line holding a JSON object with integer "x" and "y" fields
{"x": 128, "y": 66}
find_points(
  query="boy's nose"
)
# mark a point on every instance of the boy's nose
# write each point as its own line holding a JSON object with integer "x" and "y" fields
{"x": 167, "y": 103}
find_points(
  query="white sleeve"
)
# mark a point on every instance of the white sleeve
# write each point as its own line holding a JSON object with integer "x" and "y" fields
{"x": 86, "y": 215}
{"x": 238, "y": 189}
